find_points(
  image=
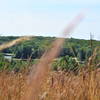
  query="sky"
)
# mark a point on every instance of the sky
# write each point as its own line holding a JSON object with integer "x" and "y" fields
{"x": 49, "y": 17}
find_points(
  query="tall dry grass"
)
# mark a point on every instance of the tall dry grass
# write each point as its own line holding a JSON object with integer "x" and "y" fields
{"x": 58, "y": 85}
{"x": 12, "y": 85}
{"x": 62, "y": 85}
{"x": 67, "y": 86}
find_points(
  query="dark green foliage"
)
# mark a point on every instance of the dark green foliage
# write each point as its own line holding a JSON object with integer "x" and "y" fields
{"x": 34, "y": 49}
{"x": 24, "y": 52}
{"x": 65, "y": 63}
{"x": 1, "y": 61}
{"x": 82, "y": 54}
{"x": 66, "y": 51}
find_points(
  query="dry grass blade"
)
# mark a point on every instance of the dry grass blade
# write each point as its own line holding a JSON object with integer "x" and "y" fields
{"x": 14, "y": 42}
{"x": 42, "y": 67}
{"x": 93, "y": 56}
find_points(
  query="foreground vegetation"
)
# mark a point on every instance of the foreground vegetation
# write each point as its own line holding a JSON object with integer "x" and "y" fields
{"x": 58, "y": 85}
{"x": 74, "y": 52}
{"x": 75, "y": 76}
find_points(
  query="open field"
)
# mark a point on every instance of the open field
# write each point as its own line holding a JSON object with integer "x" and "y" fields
{"x": 39, "y": 82}
{"x": 58, "y": 85}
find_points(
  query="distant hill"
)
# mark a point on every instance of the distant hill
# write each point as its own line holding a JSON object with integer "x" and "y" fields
{"x": 37, "y": 45}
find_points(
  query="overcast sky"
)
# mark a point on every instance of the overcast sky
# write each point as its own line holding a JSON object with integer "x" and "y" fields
{"x": 48, "y": 17}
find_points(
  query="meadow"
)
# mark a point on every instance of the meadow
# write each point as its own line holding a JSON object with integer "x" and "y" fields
{"x": 66, "y": 78}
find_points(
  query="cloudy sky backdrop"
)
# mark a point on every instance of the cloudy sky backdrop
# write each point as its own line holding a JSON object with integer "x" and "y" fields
{"x": 48, "y": 17}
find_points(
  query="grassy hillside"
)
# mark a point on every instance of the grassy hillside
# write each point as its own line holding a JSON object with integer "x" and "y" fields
{"x": 75, "y": 74}
{"x": 33, "y": 49}
{"x": 35, "y": 81}
{"x": 37, "y": 45}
